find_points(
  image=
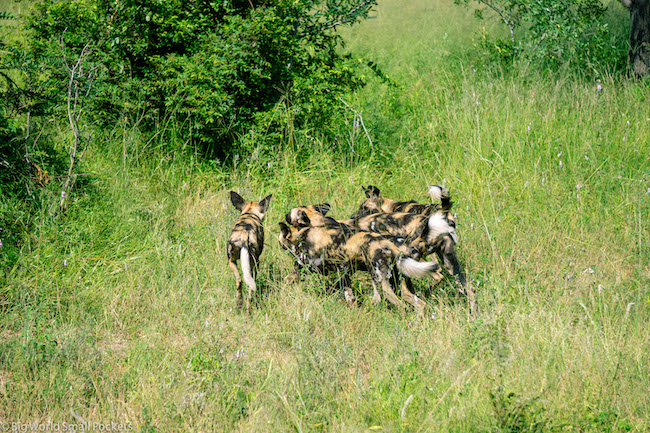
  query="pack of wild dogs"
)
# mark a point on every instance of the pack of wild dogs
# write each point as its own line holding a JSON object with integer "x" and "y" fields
{"x": 389, "y": 239}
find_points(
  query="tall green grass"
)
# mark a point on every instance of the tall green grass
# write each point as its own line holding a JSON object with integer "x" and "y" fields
{"x": 123, "y": 310}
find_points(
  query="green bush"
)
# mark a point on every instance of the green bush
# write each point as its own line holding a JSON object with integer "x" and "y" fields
{"x": 551, "y": 32}
{"x": 216, "y": 70}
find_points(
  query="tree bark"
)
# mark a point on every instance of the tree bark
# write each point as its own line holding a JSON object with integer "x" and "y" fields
{"x": 639, "y": 54}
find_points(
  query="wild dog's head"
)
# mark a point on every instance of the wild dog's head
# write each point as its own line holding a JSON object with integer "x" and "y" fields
{"x": 306, "y": 216}
{"x": 251, "y": 207}
{"x": 371, "y": 205}
{"x": 290, "y": 237}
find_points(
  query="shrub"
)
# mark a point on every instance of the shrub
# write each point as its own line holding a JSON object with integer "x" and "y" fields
{"x": 211, "y": 68}
{"x": 552, "y": 32}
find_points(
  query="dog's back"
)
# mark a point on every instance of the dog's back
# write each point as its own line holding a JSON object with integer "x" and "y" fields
{"x": 375, "y": 202}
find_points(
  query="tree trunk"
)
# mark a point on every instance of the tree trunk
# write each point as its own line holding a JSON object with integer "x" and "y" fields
{"x": 639, "y": 55}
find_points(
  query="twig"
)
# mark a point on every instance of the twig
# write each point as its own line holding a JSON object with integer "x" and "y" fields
{"x": 348, "y": 17}
{"x": 75, "y": 112}
{"x": 507, "y": 21}
{"x": 358, "y": 116}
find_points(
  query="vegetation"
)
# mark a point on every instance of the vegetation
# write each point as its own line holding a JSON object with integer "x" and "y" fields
{"x": 121, "y": 307}
{"x": 213, "y": 70}
{"x": 558, "y": 33}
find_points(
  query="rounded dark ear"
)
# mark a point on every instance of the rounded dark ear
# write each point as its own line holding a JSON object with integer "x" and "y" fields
{"x": 372, "y": 191}
{"x": 303, "y": 219}
{"x": 284, "y": 228}
{"x": 237, "y": 200}
{"x": 264, "y": 204}
{"x": 322, "y": 208}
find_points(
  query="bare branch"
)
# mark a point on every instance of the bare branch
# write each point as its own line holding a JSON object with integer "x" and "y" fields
{"x": 74, "y": 109}
{"x": 508, "y": 21}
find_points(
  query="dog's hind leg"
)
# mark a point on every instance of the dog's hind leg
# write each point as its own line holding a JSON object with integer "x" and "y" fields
{"x": 376, "y": 297}
{"x": 449, "y": 257}
{"x": 391, "y": 296}
{"x": 346, "y": 284}
{"x": 406, "y": 287}
{"x": 233, "y": 265}
{"x": 381, "y": 274}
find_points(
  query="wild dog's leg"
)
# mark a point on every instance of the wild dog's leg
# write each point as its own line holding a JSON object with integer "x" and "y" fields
{"x": 233, "y": 265}
{"x": 294, "y": 276}
{"x": 381, "y": 273}
{"x": 376, "y": 297}
{"x": 406, "y": 290}
{"x": 346, "y": 283}
{"x": 406, "y": 286}
{"x": 449, "y": 257}
{"x": 447, "y": 253}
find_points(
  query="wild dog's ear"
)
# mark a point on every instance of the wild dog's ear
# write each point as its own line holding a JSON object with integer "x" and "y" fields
{"x": 371, "y": 191}
{"x": 264, "y": 204}
{"x": 284, "y": 229}
{"x": 322, "y": 208}
{"x": 237, "y": 200}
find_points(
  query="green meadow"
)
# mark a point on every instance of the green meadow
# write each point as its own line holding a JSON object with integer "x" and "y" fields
{"x": 124, "y": 310}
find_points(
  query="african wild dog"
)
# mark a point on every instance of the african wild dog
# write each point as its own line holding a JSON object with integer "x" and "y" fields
{"x": 428, "y": 234}
{"x": 246, "y": 242}
{"x": 441, "y": 221}
{"x": 337, "y": 247}
{"x": 376, "y": 203}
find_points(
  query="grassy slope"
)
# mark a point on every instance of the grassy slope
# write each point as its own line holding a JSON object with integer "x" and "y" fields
{"x": 125, "y": 312}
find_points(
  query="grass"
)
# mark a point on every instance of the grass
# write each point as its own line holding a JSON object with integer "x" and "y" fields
{"x": 124, "y": 311}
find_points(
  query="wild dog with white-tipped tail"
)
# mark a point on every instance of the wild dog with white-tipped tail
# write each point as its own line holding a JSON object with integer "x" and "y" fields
{"x": 336, "y": 247}
{"x": 246, "y": 243}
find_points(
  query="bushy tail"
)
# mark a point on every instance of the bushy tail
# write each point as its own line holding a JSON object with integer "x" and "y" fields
{"x": 246, "y": 269}
{"x": 438, "y": 225}
{"x": 413, "y": 269}
{"x": 441, "y": 193}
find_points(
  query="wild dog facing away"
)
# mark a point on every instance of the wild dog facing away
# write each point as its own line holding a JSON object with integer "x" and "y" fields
{"x": 246, "y": 243}
{"x": 339, "y": 248}
{"x": 429, "y": 233}
{"x": 376, "y": 203}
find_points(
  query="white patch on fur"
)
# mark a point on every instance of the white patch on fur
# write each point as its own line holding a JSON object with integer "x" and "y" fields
{"x": 316, "y": 262}
{"x": 414, "y": 269}
{"x": 246, "y": 268}
{"x": 437, "y": 192}
{"x": 438, "y": 225}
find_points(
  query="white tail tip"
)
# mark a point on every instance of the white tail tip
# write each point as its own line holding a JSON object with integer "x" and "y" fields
{"x": 414, "y": 269}
{"x": 246, "y": 269}
{"x": 437, "y": 192}
{"x": 438, "y": 225}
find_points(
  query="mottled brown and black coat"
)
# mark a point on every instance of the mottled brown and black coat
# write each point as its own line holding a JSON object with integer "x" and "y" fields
{"x": 246, "y": 242}
{"x": 436, "y": 235}
{"x": 427, "y": 234}
{"x": 332, "y": 246}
